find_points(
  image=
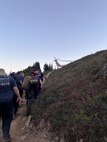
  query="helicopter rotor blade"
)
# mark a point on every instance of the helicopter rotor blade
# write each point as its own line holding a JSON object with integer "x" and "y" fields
{"x": 66, "y": 60}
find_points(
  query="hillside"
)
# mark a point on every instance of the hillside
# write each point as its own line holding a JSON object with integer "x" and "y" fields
{"x": 73, "y": 102}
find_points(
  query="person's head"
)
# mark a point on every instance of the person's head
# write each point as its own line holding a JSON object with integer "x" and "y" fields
{"x": 2, "y": 72}
{"x": 33, "y": 74}
{"x": 20, "y": 73}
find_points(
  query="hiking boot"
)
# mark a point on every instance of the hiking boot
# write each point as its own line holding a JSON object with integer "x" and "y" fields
{"x": 8, "y": 140}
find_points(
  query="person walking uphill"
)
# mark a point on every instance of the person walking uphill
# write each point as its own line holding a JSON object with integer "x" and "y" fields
{"x": 7, "y": 88}
{"x": 31, "y": 85}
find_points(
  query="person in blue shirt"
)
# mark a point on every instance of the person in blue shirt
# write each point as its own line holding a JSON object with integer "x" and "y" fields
{"x": 7, "y": 89}
{"x": 41, "y": 75}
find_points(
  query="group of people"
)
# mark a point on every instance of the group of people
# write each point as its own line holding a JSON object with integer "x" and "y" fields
{"x": 11, "y": 91}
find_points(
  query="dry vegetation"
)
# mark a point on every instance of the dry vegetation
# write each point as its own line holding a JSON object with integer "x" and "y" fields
{"x": 73, "y": 102}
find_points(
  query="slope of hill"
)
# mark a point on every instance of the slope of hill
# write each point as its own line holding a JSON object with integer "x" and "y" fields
{"x": 73, "y": 102}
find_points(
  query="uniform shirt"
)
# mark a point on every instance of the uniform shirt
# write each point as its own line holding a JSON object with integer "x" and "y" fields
{"x": 6, "y": 88}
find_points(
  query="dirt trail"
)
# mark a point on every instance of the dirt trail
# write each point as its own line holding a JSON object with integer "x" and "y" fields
{"x": 24, "y": 131}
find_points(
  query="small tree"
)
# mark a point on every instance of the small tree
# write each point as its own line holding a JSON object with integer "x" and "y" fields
{"x": 48, "y": 67}
{"x": 36, "y": 65}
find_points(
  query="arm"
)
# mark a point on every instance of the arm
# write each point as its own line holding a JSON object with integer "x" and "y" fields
{"x": 15, "y": 89}
{"x": 45, "y": 78}
{"x": 17, "y": 93}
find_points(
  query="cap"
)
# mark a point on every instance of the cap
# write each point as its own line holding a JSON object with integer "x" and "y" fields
{"x": 2, "y": 72}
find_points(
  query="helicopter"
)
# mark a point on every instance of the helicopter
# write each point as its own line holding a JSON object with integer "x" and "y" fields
{"x": 56, "y": 60}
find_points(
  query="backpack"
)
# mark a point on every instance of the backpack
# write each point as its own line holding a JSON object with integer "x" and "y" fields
{"x": 26, "y": 82}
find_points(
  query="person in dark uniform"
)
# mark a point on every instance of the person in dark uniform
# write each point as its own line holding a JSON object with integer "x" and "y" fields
{"x": 7, "y": 89}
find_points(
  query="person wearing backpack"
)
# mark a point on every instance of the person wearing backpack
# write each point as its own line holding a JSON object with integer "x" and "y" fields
{"x": 7, "y": 89}
{"x": 15, "y": 103}
{"x": 20, "y": 76}
{"x": 17, "y": 77}
{"x": 31, "y": 86}
{"x": 41, "y": 77}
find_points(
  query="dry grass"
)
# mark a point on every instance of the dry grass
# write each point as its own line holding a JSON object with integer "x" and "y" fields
{"x": 74, "y": 100}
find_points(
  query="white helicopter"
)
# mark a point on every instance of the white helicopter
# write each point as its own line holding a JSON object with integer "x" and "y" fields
{"x": 58, "y": 64}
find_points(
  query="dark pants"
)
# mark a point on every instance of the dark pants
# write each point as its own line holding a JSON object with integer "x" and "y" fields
{"x": 31, "y": 96}
{"x": 30, "y": 100}
{"x": 6, "y": 112}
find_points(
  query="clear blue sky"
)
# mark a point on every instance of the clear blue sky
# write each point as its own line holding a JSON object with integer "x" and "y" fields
{"x": 38, "y": 30}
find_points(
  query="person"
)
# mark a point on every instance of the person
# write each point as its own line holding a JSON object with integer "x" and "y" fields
{"x": 18, "y": 83}
{"x": 42, "y": 78}
{"x": 7, "y": 88}
{"x": 21, "y": 76}
{"x": 19, "y": 79}
{"x": 41, "y": 75}
{"x": 31, "y": 86}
